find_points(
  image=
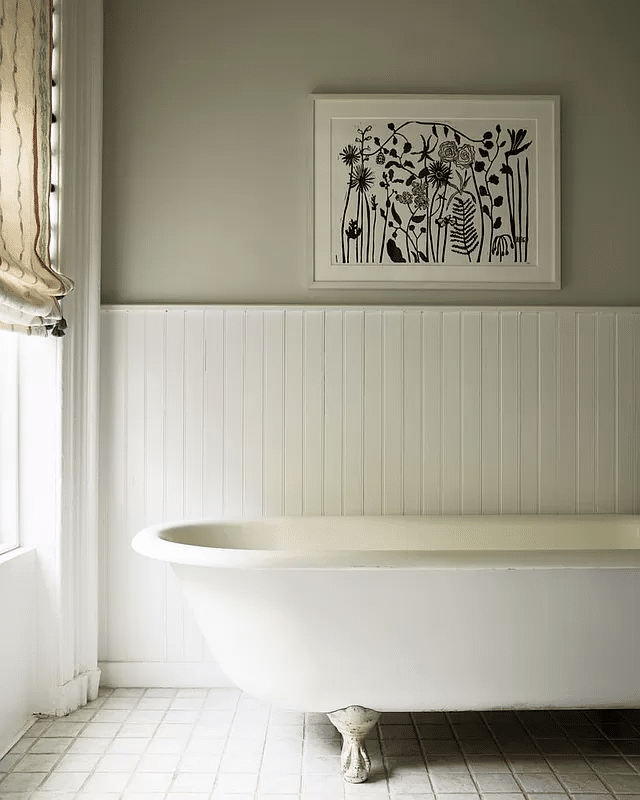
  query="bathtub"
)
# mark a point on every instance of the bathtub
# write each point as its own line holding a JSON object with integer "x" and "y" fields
{"x": 332, "y": 614}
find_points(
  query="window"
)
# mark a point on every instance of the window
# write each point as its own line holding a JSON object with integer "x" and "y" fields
{"x": 9, "y": 432}
{"x": 21, "y": 360}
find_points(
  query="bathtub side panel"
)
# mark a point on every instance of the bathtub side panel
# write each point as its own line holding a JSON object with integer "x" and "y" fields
{"x": 394, "y": 640}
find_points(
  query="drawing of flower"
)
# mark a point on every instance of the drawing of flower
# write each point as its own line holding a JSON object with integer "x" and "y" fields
{"x": 404, "y": 197}
{"x": 380, "y": 159}
{"x": 466, "y": 156}
{"x": 439, "y": 174}
{"x": 444, "y": 220}
{"x": 419, "y": 191}
{"x": 448, "y": 151}
{"x": 349, "y": 155}
{"x": 363, "y": 179}
{"x": 501, "y": 245}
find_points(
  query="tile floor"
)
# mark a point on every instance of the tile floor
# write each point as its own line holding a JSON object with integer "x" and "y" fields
{"x": 169, "y": 744}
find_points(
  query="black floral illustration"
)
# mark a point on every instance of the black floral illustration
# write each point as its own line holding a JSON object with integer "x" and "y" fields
{"x": 431, "y": 192}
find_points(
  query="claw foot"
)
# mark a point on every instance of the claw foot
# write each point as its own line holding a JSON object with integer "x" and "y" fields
{"x": 354, "y": 723}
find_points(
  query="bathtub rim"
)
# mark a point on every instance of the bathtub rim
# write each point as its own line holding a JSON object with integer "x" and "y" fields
{"x": 151, "y": 543}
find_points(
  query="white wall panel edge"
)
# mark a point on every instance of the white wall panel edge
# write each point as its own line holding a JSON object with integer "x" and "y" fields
{"x": 109, "y": 308}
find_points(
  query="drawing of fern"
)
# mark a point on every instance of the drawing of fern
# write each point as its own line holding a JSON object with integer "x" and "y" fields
{"x": 464, "y": 236}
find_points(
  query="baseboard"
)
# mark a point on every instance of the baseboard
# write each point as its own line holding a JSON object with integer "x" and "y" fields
{"x": 72, "y": 695}
{"x": 10, "y": 734}
{"x": 168, "y": 674}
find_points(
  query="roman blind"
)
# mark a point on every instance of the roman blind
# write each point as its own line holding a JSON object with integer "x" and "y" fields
{"x": 30, "y": 288}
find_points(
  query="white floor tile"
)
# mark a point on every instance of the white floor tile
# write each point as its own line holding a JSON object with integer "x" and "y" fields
{"x": 92, "y": 796}
{"x": 65, "y": 781}
{"x": 150, "y": 782}
{"x": 151, "y": 762}
{"x": 187, "y": 795}
{"x": 137, "y": 730}
{"x": 231, "y": 783}
{"x": 59, "y": 745}
{"x": 100, "y": 730}
{"x": 89, "y": 745}
{"x": 9, "y": 761}
{"x": 21, "y": 782}
{"x": 193, "y": 782}
{"x": 117, "y": 762}
{"x": 63, "y": 729}
{"x": 143, "y": 795}
{"x": 107, "y": 782}
{"x": 78, "y": 762}
{"x": 38, "y": 795}
{"x": 280, "y": 784}
{"x": 132, "y": 746}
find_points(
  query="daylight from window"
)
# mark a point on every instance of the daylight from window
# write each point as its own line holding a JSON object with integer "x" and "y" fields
{"x": 9, "y": 343}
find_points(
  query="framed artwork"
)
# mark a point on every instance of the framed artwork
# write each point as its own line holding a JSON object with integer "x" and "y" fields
{"x": 436, "y": 191}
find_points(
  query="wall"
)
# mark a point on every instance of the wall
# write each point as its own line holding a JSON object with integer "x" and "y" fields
{"x": 18, "y": 650}
{"x": 207, "y": 134}
{"x": 224, "y": 412}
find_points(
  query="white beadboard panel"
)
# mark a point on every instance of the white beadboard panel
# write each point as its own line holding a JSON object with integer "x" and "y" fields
{"x": 294, "y": 416}
{"x": 450, "y": 428}
{"x": 392, "y": 412}
{"x": 627, "y": 377}
{"x": 509, "y": 411}
{"x": 253, "y": 416}
{"x": 273, "y": 465}
{"x": 431, "y": 450}
{"x": 529, "y": 410}
{"x": 233, "y": 380}
{"x": 353, "y": 412}
{"x": 471, "y": 413}
{"x": 313, "y": 412}
{"x": 412, "y": 413}
{"x": 372, "y": 424}
{"x": 333, "y": 478}
{"x": 607, "y": 414}
{"x": 213, "y": 420}
{"x": 243, "y": 411}
{"x": 547, "y": 402}
{"x": 490, "y": 413}
{"x": 568, "y": 404}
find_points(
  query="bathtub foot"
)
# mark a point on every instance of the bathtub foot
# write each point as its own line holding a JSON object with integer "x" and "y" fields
{"x": 354, "y": 723}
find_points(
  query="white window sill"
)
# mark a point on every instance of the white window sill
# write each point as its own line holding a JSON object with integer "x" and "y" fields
{"x": 14, "y": 554}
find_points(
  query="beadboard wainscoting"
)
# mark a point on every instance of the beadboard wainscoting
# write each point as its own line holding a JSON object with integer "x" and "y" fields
{"x": 249, "y": 411}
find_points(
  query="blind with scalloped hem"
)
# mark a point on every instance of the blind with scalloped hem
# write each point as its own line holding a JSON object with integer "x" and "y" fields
{"x": 30, "y": 288}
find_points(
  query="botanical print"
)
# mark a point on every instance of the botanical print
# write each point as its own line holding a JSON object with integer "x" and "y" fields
{"x": 433, "y": 192}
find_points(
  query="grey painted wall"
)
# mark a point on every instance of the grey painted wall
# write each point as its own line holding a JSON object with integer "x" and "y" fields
{"x": 207, "y": 133}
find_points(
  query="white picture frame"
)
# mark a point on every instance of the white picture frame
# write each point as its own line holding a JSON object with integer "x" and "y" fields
{"x": 436, "y": 191}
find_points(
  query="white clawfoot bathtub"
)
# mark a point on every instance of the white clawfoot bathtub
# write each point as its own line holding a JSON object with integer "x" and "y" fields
{"x": 416, "y": 613}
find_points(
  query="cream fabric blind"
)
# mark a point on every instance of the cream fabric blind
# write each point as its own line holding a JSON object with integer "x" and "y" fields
{"x": 30, "y": 289}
